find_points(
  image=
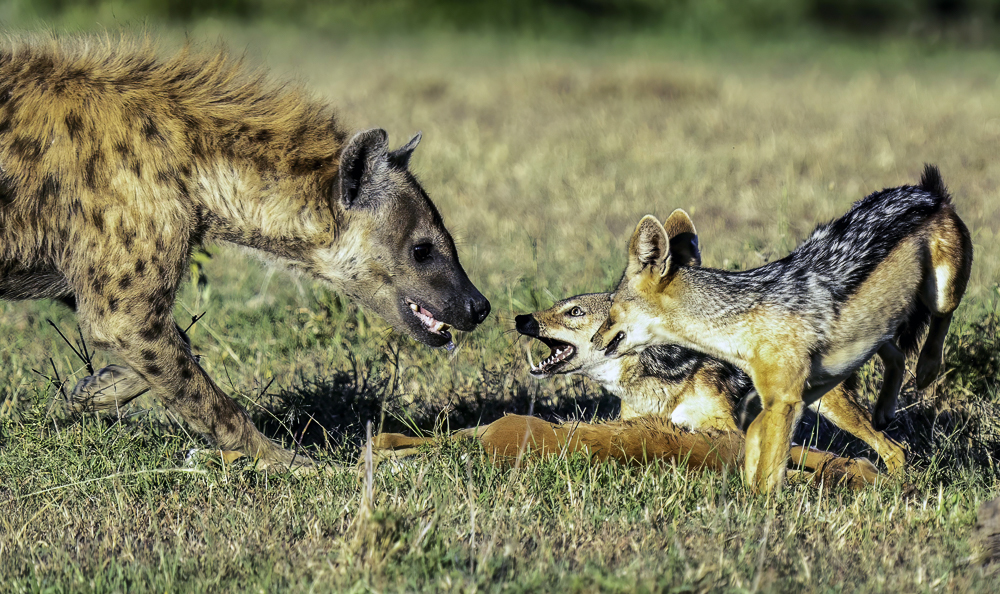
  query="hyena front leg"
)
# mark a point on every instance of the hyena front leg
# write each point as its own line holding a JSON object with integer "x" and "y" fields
{"x": 135, "y": 322}
{"x": 111, "y": 387}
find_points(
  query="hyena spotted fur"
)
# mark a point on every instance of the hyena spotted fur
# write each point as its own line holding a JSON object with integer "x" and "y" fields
{"x": 115, "y": 163}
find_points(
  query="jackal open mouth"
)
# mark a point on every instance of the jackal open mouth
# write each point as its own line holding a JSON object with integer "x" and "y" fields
{"x": 561, "y": 352}
{"x": 429, "y": 322}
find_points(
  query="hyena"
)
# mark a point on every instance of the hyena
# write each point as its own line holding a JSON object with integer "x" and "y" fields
{"x": 869, "y": 282}
{"x": 116, "y": 163}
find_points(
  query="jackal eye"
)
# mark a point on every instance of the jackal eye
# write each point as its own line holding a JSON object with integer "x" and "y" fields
{"x": 576, "y": 312}
{"x": 422, "y": 252}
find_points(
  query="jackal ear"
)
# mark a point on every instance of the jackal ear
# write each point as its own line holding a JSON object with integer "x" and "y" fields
{"x": 683, "y": 239}
{"x": 648, "y": 246}
{"x": 400, "y": 158}
{"x": 359, "y": 160}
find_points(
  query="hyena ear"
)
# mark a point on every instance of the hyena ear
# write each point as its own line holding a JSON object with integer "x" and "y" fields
{"x": 400, "y": 158}
{"x": 648, "y": 246}
{"x": 683, "y": 239}
{"x": 360, "y": 159}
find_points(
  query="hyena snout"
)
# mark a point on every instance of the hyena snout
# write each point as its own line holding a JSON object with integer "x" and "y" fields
{"x": 527, "y": 325}
{"x": 478, "y": 308}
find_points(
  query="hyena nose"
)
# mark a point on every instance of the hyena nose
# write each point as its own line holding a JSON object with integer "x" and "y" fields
{"x": 526, "y": 324}
{"x": 478, "y": 308}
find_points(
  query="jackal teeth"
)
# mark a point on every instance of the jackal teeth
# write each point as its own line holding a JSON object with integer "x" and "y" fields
{"x": 558, "y": 355}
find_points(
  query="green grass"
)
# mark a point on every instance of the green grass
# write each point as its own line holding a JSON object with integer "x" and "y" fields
{"x": 541, "y": 157}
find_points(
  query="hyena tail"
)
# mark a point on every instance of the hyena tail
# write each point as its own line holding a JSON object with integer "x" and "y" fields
{"x": 932, "y": 183}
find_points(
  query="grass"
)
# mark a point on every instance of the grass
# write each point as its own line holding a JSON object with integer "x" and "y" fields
{"x": 541, "y": 157}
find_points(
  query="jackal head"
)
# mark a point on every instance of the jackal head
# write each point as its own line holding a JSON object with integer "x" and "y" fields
{"x": 566, "y": 328}
{"x": 394, "y": 254}
{"x": 655, "y": 252}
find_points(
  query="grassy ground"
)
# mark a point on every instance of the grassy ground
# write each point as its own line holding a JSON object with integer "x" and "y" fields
{"x": 542, "y": 158}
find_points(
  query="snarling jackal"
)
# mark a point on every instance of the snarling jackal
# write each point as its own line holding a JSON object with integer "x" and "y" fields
{"x": 676, "y": 405}
{"x": 693, "y": 391}
{"x": 116, "y": 163}
{"x": 869, "y": 282}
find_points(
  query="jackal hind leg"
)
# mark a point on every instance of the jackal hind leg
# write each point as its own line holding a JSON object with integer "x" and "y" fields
{"x": 945, "y": 281}
{"x": 840, "y": 406}
{"x": 894, "y": 369}
{"x": 931, "y": 359}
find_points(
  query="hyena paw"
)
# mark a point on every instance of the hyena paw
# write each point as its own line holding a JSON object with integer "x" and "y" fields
{"x": 928, "y": 370}
{"x": 110, "y": 388}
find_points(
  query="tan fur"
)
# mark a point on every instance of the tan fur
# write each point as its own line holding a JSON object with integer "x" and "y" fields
{"x": 636, "y": 442}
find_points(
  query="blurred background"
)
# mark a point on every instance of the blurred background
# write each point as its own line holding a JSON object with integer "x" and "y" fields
{"x": 550, "y": 127}
{"x": 964, "y": 21}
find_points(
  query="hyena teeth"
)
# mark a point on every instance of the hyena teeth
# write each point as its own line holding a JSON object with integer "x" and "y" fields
{"x": 414, "y": 307}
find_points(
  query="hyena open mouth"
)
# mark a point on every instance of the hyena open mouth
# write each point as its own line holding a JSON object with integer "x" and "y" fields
{"x": 560, "y": 354}
{"x": 430, "y": 323}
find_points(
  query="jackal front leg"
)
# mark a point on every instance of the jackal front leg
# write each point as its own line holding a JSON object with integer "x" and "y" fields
{"x": 769, "y": 437}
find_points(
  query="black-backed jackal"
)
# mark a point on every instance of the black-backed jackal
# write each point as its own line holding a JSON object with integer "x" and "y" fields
{"x": 689, "y": 389}
{"x": 676, "y": 405}
{"x": 115, "y": 163}
{"x": 866, "y": 283}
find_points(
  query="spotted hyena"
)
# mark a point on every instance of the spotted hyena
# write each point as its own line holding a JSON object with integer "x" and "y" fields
{"x": 115, "y": 163}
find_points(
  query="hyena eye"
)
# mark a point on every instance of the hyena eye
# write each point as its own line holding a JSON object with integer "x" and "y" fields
{"x": 422, "y": 252}
{"x": 576, "y": 311}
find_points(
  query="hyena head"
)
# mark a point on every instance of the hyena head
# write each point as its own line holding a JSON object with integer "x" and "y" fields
{"x": 566, "y": 328}
{"x": 640, "y": 303}
{"x": 394, "y": 254}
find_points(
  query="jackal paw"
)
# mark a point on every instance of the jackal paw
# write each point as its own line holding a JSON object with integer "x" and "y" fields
{"x": 928, "y": 369}
{"x": 883, "y": 416}
{"x": 109, "y": 389}
{"x": 854, "y": 473}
